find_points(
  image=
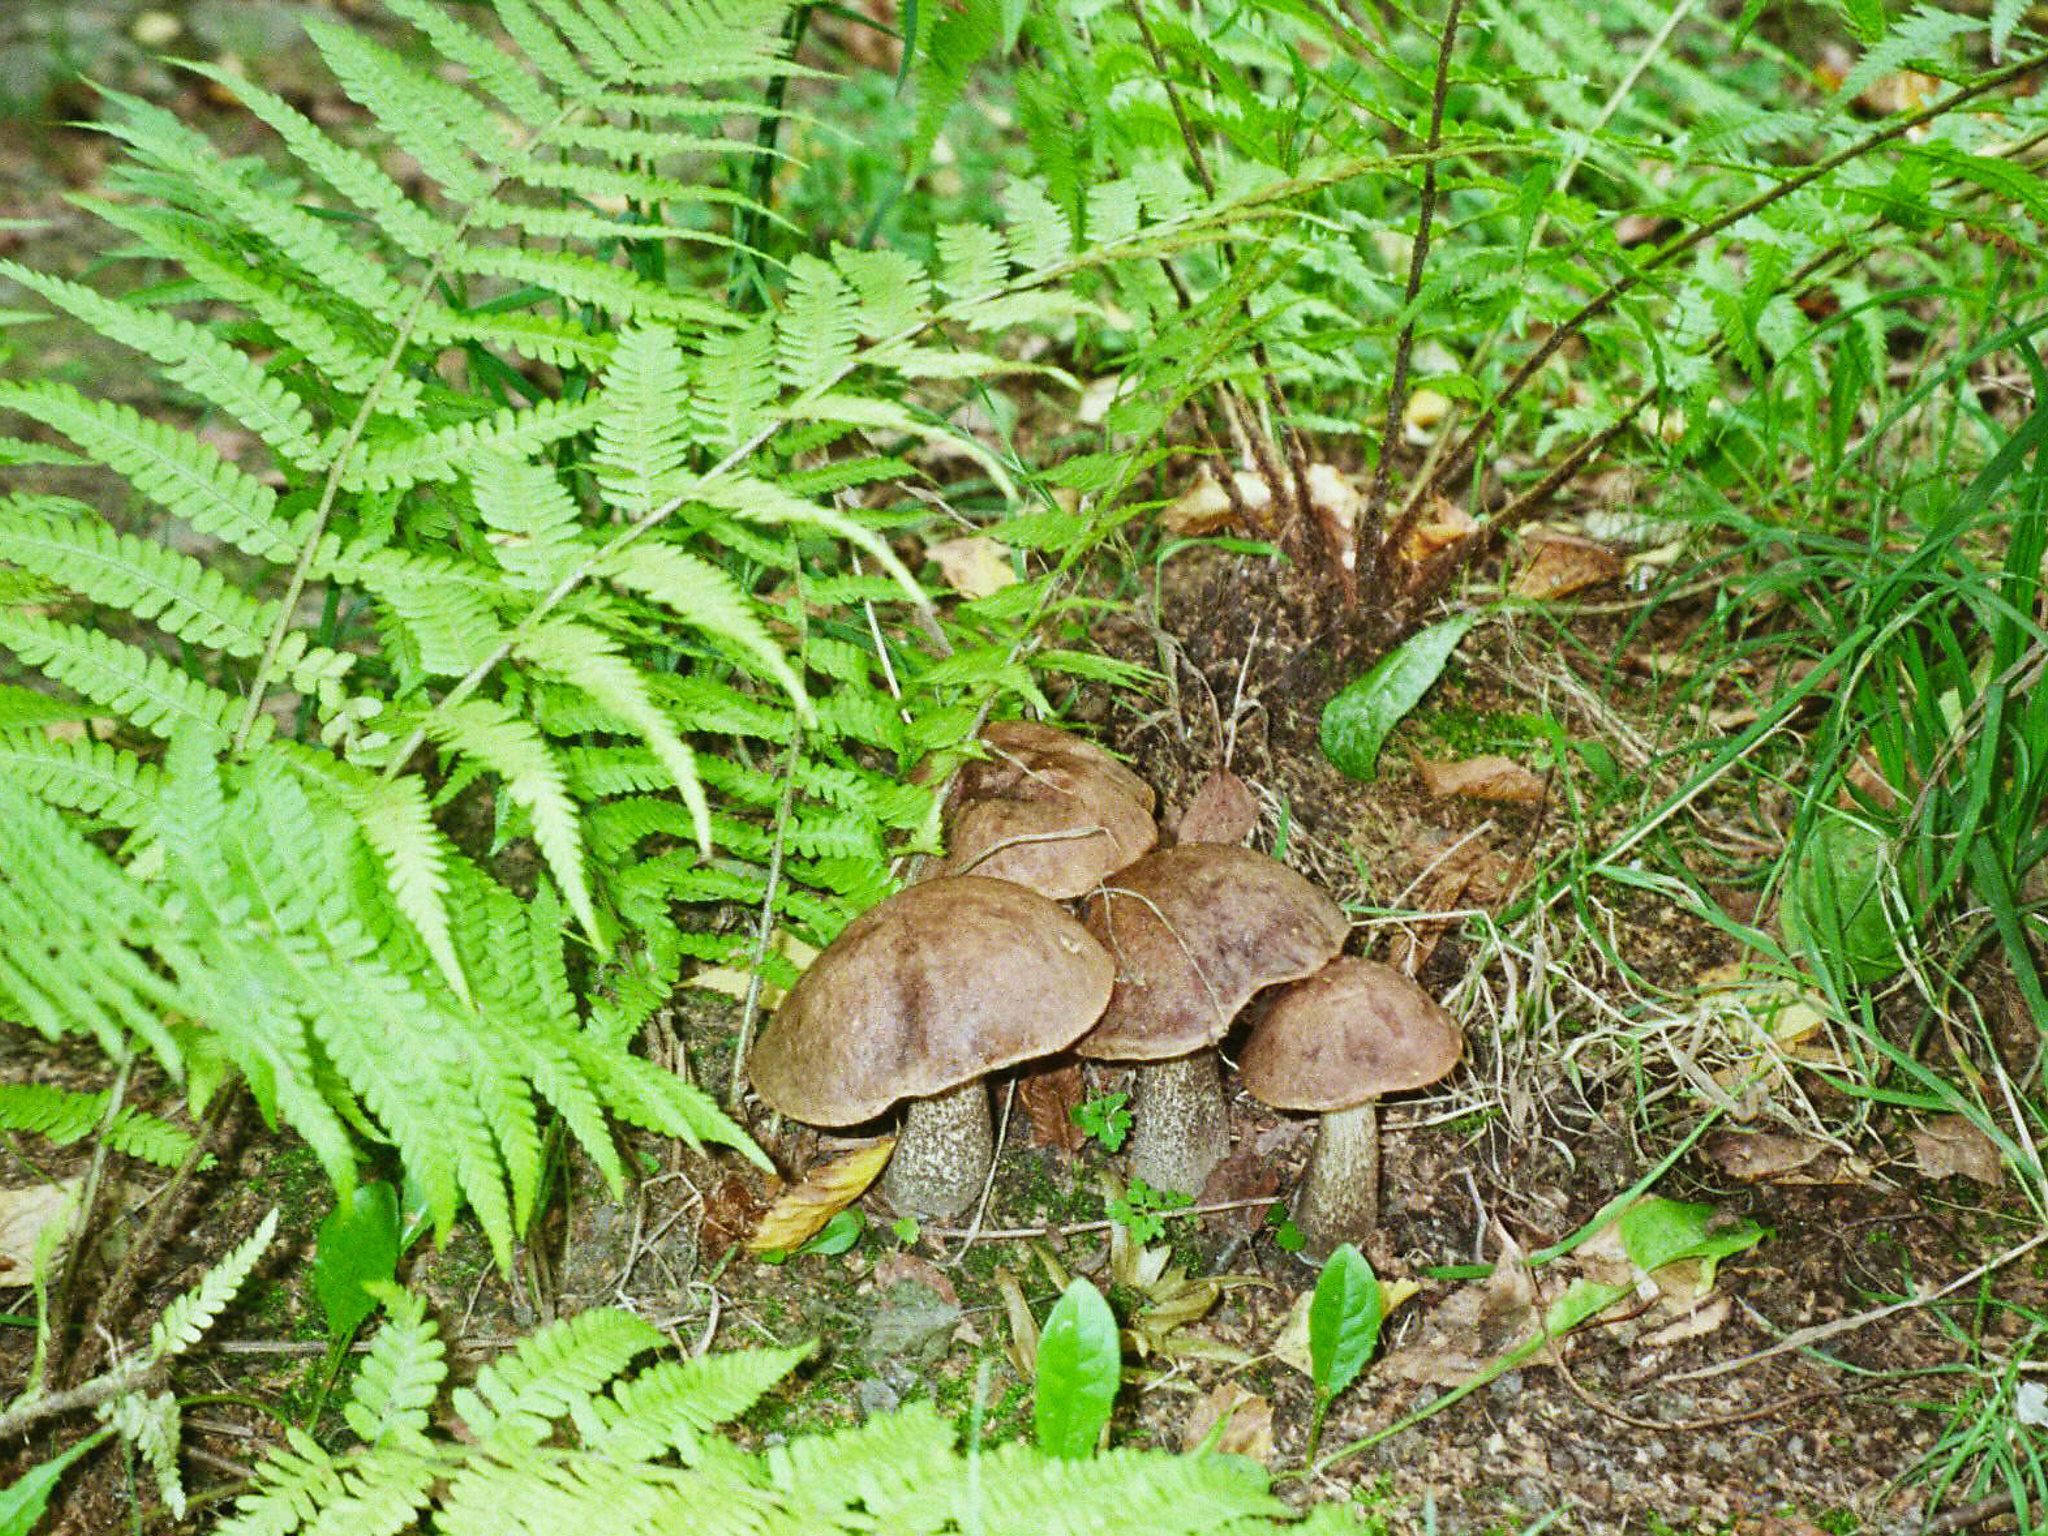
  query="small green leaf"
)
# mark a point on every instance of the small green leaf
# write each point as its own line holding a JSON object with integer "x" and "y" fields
{"x": 1080, "y": 1367}
{"x": 357, "y": 1246}
{"x": 25, "y": 1501}
{"x": 838, "y": 1234}
{"x": 907, "y": 1229}
{"x": 1105, "y": 1118}
{"x": 1833, "y": 906}
{"x": 1343, "y": 1321}
{"x": 1656, "y": 1232}
{"x": 1357, "y": 720}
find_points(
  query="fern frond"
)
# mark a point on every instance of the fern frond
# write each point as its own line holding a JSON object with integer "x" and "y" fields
{"x": 183, "y": 475}
{"x": 553, "y": 1373}
{"x": 510, "y": 748}
{"x": 400, "y": 1377}
{"x": 642, "y": 444}
{"x": 701, "y": 594}
{"x": 185, "y": 1321}
{"x": 79, "y": 774}
{"x": 438, "y": 454}
{"x": 592, "y": 661}
{"x": 194, "y": 357}
{"x": 64, "y": 1116}
{"x": 144, "y": 689}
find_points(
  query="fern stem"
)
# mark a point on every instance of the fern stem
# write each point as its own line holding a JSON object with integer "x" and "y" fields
{"x": 1460, "y": 457}
{"x": 66, "y": 1302}
{"x": 1372, "y": 518}
{"x": 280, "y": 631}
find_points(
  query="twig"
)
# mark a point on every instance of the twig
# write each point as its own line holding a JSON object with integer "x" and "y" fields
{"x": 1964, "y": 1516}
{"x": 101, "y": 1389}
{"x": 167, "y": 1214}
{"x": 1371, "y": 518}
{"x": 1073, "y": 1228}
{"x": 65, "y": 1305}
{"x": 1841, "y": 1325}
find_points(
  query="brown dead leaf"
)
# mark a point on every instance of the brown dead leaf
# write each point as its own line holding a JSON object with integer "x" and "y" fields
{"x": 1767, "y": 1155}
{"x": 1696, "y": 1322}
{"x": 1481, "y": 778}
{"x": 730, "y": 1208}
{"x": 1244, "y": 1175}
{"x": 1204, "y": 507}
{"x": 1948, "y": 1144}
{"x": 1050, "y": 1094}
{"x": 803, "y": 1208}
{"x": 1446, "y": 524}
{"x": 1224, "y": 810}
{"x": 1247, "y": 1421}
{"x": 1472, "y": 1325}
{"x": 974, "y": 566}
{"x": 24, "y": 1216}
{"x": 1023, "y": 1346}
{"x": 1448, "y": 871}
{"x": 1559, "y": 565}
{"x": 893, "y": 1268}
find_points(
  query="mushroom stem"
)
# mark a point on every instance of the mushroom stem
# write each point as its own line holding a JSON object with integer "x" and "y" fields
{"x": 1339, "y": 1198}
{"x": 1180, "y": 1128}
{"x": 942, "y": 1155}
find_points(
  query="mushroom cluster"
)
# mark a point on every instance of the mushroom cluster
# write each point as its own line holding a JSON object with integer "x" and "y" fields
{"x": 981, "y": 967}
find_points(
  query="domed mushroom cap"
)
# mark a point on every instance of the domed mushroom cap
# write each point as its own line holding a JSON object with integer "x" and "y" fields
{"x": 1351, "y": 1032}
{"x": 1046, "y": 810}
{"x": 926, "y": 991}
{"x": 1196, "y": 930}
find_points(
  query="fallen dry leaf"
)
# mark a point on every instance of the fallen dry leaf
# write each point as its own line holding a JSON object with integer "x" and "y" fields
{"x": 1049, "y": 1096}
{"x": 1766, "y": 1155}
{"x": 1474, "y": 1324}
{"x": 1244, "y": 1175}
{"x": 803, "y": 1208}
{"x": 1336, "y": 506}
{"x": 1948, "y": 1144}
{"x": 974, "y": 566}
{"x": 24, "y": 1215}
{"x": 1224, "y": 810}
{"x": 1448, "y": 872}
{"x": 1481, "y": 778}
{"x": 1247, "y": 1421}
{"x": 894, "y": 1268}
{"x": 730, "y": 1207}
{"x": 1023, "y": 1346}
{"x": 1446, "y": 524}
{"x": 733, "y": 980}
{"x": 1423, "y": 414}
{"x": 1559, "y": 565}
{"x": 1204, "y": 507}
{"x": 1695, "y": 1323}
{"x": 1097, "y": 396}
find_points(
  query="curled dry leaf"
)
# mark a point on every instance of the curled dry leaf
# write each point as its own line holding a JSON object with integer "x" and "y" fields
{"x": 25, "y": 1214}
{"x": 1560, "y": 565}
{"x": 1204, "y": 507}
{"x": 1494, "y": 778}
{"x": 1445, "y": 524}
{"x": 1948, "y": 1145}
{"x": 1224, "y": 810}
{"x": 1247, "y": 1421}
{"x": 1696, "y": 1322}
{"x": 1023, "y": 1346}
{"x": 1766, "y": 1155}
{"x": 802, "y": 1209}
{"x": 974, "y": 566}
{"x": 1423, "y": 414}
{"x": 1050, "y": 1095}
{"x": 730, "y": 1207}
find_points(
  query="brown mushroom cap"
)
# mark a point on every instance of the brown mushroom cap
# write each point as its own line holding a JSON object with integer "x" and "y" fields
{"x": 1046, "y": 810}
{"x": 926, "y": 991}
{"x": 1351, "y": 1032}
{"x": 1196, "y": 930}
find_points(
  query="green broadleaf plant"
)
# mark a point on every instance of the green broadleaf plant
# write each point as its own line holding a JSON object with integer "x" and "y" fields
{"x": 1356, "y": 721}
{"x": 1344, "y": 1318}
{"x": 1080, "y": 1368}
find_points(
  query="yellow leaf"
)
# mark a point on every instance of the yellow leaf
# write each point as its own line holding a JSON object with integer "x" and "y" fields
{"x": 800, "y": 1210}
{"x": 974, "y": 566}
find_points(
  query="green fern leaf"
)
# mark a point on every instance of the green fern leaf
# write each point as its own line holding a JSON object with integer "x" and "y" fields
{"x": 144, "y": 689}
{"x": 185, "y": 1320}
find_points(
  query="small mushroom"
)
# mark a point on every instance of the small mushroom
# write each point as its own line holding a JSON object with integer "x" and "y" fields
{"x": 1333, "y": 1044}
{"x": 1196, "y": 930}
{"x": 1046, "y": 810}
{"x": 918, "y": 999}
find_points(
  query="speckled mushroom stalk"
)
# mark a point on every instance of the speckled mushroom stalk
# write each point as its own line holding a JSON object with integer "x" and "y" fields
{"x": 1195, "y": 930}
{"x": 1333, "y": 1045}
{"x": 1180, "y": 1125}
{"x": 943, "y": 1155}
{"x": 919, "y": 998}
{"x": 1339, "y": 1197}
